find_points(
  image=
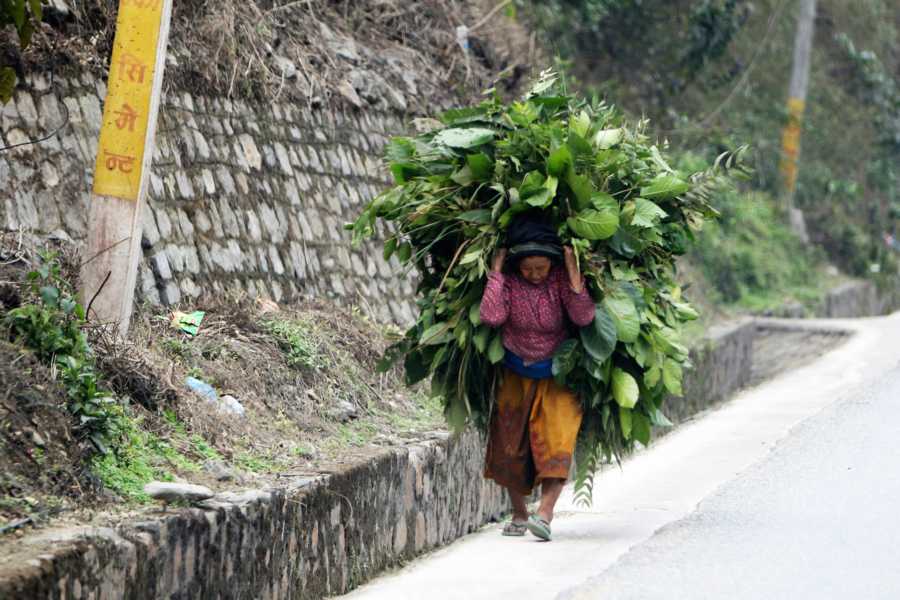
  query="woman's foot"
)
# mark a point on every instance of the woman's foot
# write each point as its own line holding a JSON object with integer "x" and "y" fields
{"x": 539, "y": 527}
{"x": 514, "y": 528}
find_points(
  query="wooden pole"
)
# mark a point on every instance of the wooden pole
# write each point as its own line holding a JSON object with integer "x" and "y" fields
{"x": 790, "y": 141}
{"x": 124, "y": 154}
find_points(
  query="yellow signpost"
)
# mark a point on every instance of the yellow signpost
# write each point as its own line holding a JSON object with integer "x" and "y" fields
{"x": 124, "y": 153}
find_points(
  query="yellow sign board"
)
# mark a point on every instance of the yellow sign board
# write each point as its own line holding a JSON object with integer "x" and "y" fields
{"x": 120, "y": 153}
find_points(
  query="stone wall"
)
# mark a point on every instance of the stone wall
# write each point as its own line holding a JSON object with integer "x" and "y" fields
{"x": 242, "y": 198}
{"x": 853, "y": 299}
{"x": 312, "y": 539}
{"x": 722, "y": 365}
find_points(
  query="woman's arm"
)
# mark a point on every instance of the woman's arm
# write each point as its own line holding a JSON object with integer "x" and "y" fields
{"x": 495, "y": 301}
{"x": 573, "y": 291}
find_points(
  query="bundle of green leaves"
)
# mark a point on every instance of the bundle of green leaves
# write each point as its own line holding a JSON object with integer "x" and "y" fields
{"x": 614, "y": 199}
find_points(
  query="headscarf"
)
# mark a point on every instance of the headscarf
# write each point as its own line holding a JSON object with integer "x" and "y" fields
{"x": 528, "y": 235}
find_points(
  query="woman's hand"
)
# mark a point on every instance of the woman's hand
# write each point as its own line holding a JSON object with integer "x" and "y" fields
{"x": 572, "y": 269}
{"x": 499, "y": 259}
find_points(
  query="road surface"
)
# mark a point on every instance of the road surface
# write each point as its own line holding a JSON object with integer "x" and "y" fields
{"x": 790, "y": 490}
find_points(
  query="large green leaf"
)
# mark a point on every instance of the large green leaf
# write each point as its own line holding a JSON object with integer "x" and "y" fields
{"x": 624, "y": 314}
{"x": 496, "y": 351}
{"x": 599, "y": 337}
{"x": 625, "y": 422}
{"x": 607, "y": 138}
{"x": 479, "y": 215}
{"x": 646, "y": 213}
{"x": 464, "y": 137}
{"x": 581, "y": 187}
{"x": 436, "y": 334}
{"x": 480, "y": 165}
{"x": 565, "y": 358}
{"x": 640, "y": 427}
{"x": 664, "y": 187}
{"x": 592, "y": 224}
{"x": 559, "y": 161}
{"x": 624, "y": 388}
{"x": 671, "y": 375}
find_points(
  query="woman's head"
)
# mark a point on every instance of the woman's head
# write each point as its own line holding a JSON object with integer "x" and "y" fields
{"x": 534, "y": 269}
{"x": 534, "y": 246}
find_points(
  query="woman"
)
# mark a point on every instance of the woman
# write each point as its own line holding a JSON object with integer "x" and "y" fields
{"x": 535, "y": 422}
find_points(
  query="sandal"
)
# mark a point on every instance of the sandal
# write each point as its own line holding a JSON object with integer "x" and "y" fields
{"x": 514, "y": 529}
{"x": 538, "y": 527}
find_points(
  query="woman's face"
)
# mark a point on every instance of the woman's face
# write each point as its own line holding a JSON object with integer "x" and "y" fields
{"x": 534, "y": 269}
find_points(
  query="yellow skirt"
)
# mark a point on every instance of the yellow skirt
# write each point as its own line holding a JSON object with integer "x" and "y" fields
{"x": 533, "y": 432}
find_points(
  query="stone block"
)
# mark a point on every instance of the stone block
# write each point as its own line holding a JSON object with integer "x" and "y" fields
{"x": 159, "y": 262}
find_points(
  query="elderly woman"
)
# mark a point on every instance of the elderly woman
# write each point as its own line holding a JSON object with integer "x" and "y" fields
{"x": 532, "y": 289}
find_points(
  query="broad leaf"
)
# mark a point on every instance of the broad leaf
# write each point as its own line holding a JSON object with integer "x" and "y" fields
{"x": 646, "y": 213}
{"x": 625, "y": 422}
{"x": 599, "y": 337}
{"x": 672, "y": 375}
{"x": 480, "y": 215}
{"x": 624, "y": 314}
{"x": 481, "y": 166}
{"x": 640, "y": 427}
{"x": 607, "y": 138}
{"x": 592, "y": 224}
{"x": 436, "y": 334}
{"x": 664, "y": 187}
{"x": 496, "y": 351}
{"x": 624, "y": 388}
{"x": 581, "y": 187}
{"x": 559, "y": 161}
{"x": 565, "y": 358}
{"x": 658, "y": 419}
{"x": 464, "y": 137}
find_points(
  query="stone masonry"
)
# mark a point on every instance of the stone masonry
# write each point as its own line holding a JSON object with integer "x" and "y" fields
{"x": 242, "y": 198}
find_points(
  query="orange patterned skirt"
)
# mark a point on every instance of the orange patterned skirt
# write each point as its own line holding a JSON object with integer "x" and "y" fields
{"x": 532, "y": 433}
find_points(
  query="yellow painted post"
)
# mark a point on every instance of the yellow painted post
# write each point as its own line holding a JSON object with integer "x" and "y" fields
{"x": 790, "y": 147}
{"x": 790, "y": 139}
{"x": 124, "y": 153}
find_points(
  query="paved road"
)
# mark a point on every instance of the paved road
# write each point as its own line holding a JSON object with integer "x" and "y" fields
{"x": 791, "y": 490}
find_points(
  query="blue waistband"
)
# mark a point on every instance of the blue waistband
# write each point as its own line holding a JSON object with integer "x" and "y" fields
{"x": 539, "y": 370}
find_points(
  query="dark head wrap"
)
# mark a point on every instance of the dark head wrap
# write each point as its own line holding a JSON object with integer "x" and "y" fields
{"x": 528, "y": 235}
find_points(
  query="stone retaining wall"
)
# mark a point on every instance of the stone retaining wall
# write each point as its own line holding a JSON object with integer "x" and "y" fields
{"x": 853, "y": 299}
{"x": 242, "y": 198}
{"x": 314, "y": 539}
{"x": 722, "y": 365}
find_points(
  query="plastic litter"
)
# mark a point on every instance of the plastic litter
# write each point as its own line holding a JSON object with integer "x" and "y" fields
{"x": 188, "y": 322}
{"x": 228, "y": 404}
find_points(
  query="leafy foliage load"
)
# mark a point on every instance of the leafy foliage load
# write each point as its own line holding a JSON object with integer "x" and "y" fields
{"x": 614, "y": 199}
{"x": 23, "y": 15}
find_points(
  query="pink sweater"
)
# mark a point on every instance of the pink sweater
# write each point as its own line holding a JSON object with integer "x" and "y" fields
{"x": 532, "y": 315}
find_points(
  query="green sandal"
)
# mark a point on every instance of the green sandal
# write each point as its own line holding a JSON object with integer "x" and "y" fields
{"x": 538, "y": 527}
{"x": 514, "y": 529}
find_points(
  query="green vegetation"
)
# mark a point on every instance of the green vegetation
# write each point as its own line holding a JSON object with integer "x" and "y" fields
{"x": 23, "y": 16}
{"x": 297, "y": 341}
{"x": 613, "y": 198}
{"x": 712, "y": 74}
{"x": 52, "y": 326}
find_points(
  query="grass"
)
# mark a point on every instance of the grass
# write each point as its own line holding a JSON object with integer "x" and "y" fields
{"x": 144, "y": 456}
{"x": 297, "y": 340}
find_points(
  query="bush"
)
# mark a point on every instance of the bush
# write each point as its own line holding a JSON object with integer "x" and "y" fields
{"x": 52, "y": 326}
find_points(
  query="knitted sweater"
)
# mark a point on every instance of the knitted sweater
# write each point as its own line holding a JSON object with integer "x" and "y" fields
{"x": 531, "y": 316}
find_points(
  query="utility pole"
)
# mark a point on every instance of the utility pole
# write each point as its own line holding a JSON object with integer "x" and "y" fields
{"x": 796, "y": 103}
{"x": 124, "y": 153}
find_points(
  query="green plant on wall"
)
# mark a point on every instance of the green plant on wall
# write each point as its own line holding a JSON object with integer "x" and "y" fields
{"x": 23, "y": 16}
